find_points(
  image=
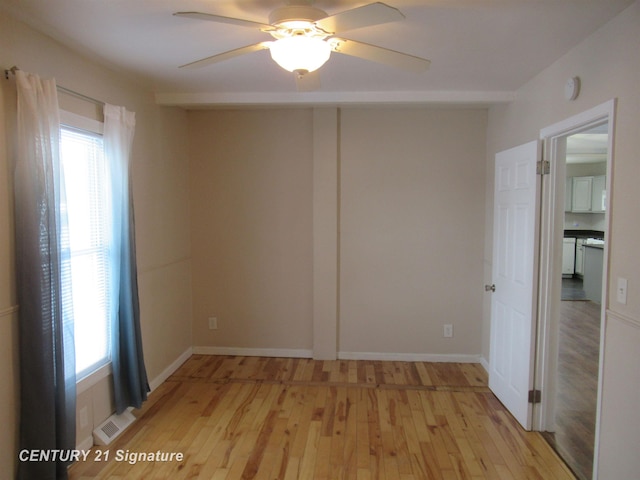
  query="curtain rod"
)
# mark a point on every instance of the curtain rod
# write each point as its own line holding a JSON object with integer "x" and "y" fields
{"x": 80, "y": 96}
{"x": 67, "y": 91}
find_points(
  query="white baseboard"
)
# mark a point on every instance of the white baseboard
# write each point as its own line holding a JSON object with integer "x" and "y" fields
{"x": 254, "y": 352}
{"x": 303, "y": 353}
{"x": 484, "y": 363}
{"x": 167, "y": 372}
{"x": 85, "y": 444}
{"x": 410, "y": 357}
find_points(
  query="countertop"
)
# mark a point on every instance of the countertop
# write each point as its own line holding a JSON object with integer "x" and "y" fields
{"x": 584, "y": 234}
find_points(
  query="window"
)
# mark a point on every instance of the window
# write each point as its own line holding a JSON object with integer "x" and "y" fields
{"x": 86, "y": 239}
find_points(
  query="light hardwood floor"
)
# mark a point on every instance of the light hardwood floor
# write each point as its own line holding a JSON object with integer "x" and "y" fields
{"x": 276, "y": 418}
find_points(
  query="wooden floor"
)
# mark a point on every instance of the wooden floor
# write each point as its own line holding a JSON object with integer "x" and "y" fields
{"x": 275, "y": 418}
{"x": 573, "y": 289}
{"x": 577, "y": 385}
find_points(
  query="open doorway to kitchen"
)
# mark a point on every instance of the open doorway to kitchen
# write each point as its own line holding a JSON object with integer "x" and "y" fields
{"x": 573, "y": 434}
{"x": 573, "y": 294}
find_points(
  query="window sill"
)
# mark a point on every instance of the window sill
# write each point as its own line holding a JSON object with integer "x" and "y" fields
{"x": 85, "y": 383}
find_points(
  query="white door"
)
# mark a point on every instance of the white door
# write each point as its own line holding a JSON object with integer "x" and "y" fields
{"x": 515, "y": 230}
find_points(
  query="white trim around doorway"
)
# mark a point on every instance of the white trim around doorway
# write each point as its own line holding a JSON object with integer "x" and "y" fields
{"x": 552, "y": 215}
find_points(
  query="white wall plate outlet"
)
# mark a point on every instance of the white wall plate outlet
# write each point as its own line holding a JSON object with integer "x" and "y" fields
{"x": 621, "y": 291}
{"x": 447, "y": 330}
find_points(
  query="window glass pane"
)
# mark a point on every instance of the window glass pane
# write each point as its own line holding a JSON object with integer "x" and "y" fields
{"x": 86, "y": 204}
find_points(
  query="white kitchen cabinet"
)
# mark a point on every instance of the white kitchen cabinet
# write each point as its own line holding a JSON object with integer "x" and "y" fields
{"x": 598, "y": 194}
{"x": 582, "y": 194}
{"x": 568, "y": 256}
{"x": 586, "y": 194}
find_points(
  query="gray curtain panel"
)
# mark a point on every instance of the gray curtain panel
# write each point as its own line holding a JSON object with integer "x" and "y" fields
{"x": 129, "y": 373}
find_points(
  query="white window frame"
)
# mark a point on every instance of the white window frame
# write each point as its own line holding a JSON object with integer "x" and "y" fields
{"x": 94, "y": 126}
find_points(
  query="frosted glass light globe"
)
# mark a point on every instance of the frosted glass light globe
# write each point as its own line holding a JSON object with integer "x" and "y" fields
{"x": 300, "y": 53}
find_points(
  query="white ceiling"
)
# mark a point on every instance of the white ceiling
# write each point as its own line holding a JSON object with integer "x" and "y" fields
{"x": 481, "y": 50}
{"x": 589, "y": 146}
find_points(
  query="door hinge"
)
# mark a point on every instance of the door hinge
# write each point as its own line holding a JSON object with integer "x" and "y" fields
{"x": 543, "y": 167}
{"x": 535, "y": 396}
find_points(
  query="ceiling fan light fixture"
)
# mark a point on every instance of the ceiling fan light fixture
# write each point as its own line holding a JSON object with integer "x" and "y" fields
{"x": 300, "y": 53}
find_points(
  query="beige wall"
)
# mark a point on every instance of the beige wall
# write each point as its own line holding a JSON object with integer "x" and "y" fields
{"x": 410, "y": 183}
{"x": 9, "y": 398}
{"x": 609, "y": 67}
{"x": 251, "y": 228}
{"x": 412, "y": 226}
{"x": 160, "y": 176}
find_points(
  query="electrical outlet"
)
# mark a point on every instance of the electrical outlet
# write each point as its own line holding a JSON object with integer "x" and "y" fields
{"x": 447, "y": 330}
{"x": 213, "y": 323}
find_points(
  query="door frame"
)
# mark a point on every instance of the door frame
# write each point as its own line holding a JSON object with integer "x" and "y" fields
{"x": 550, "y": 254}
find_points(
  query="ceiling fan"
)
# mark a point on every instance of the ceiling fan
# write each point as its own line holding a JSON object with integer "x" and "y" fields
{"x": 304, "y": 37}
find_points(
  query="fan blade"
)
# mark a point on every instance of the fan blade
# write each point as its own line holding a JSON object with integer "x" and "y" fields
{"x": 365, "y": 16}
{"x": 220, "y": 19}
{"x": 307, "y": 82}
{"x": 227, "y": 55}
{"x": 379, "y": 54}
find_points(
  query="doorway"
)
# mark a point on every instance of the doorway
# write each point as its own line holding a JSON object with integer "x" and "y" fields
{"x": 573, "y": 285}
{"x": 572, "y": 433}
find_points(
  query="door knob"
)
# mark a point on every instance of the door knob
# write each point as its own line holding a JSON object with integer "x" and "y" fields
{"x": 490, "y": 288}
